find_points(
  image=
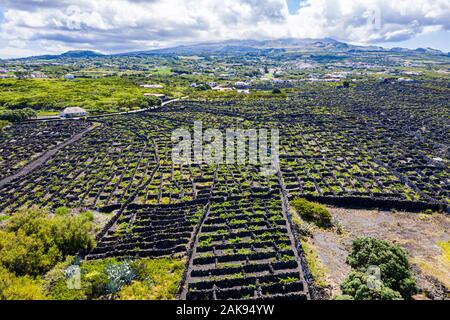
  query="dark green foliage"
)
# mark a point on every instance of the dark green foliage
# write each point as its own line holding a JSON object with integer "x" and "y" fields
{"x": 313, "y": 212}
{"x": 393, "y": 264}
{"x": 17, "y": 115}
{"x": 276, "y": 91}
{"x": 355, "y": 286}
{"x": 203, "y": 87}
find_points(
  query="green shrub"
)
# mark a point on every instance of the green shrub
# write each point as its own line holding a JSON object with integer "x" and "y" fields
{"x": 95, "y": 284}
{"x": 119, "y": 275}
{"x": 142, "y": 279}
{"x": 343, "y": 297}
{"x": 17, "y": 115}
{"x": 33, "y": 242}
{"x": 276, "y": 91}
{"x": 392, "y": 261}
{"x": 25, "y": 255}
{"x": 4, "y": 124}
{"x": 355, "y": 286}
{"x": 62, "y": 211}
{"x": 313, "y": 212}
{"x": 55, "y": 283}
{"x": 19, "y": 288}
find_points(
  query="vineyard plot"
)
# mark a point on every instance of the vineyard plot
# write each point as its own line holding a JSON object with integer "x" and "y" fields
{"x": 244, "y": 251}
{"x": 21, "y": 143}
{"x": 150, "y": 231}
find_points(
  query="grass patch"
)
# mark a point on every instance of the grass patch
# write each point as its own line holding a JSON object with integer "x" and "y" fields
{"x": 157, "y": 279}
{"x": 445, "y": 246}
{"x": 317, "y": 269}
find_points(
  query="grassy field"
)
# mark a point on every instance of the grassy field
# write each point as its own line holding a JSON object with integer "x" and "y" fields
{"x": 95, "y": 95}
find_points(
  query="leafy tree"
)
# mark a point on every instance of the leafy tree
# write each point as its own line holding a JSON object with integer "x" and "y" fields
{"x": 355, "y": 286}
{"x": 392, "y": 261}
{"x": 276, "y": 91}
{"x": 17, "y": 115}
{"x": 33, "y": 242}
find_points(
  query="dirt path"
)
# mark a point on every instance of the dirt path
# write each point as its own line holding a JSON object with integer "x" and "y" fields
{"x": 46, "y": 156}
{"x": 418, "y": 234}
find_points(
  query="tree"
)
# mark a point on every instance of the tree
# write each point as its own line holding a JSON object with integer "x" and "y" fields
{"x": 355, "y": 286}
{"x": 33, "y": 242}
{"x": 17, "y": 115}
{"x": 391, "y": 259}
{"x": 276, "y": 91}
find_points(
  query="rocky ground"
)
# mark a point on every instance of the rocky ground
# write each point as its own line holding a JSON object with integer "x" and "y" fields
{"x": 418, "y": 234}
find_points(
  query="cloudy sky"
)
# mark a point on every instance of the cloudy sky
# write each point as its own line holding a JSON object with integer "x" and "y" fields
{"x": 30, "y": 27}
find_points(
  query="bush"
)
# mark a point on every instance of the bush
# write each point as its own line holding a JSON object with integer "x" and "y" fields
{"x": 19, "y": 288}
{"x": 17, "y": 115}
{"x": 95, "y": 284}
{"x": 33, "y": 242}
{"x": 62, "y": 211}
{"x": 55, "y": 283}
{"x": 136, "y": 291}
{"x": 313, "y": 212}
{"x": 391, "y": 259}
{"x": 276, "y": 91}
{"x": 355, "y": 286}
{"x": 119, "y": 275}
{"x": 4, "y": 124}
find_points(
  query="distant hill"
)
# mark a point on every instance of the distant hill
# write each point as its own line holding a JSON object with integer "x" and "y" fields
{"x": 282, "y": 45}
{"x": 254, "y": 46}
{"x": 70, "y": 54}
{"x": 326, "y": 45}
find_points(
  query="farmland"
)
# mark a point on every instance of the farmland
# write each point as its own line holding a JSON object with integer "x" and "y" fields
{"x": 222, "y": 230}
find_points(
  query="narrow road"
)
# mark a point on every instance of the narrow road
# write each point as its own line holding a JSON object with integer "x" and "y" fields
{"x": 53, "y": 118}
{"x": 44, "y": 157}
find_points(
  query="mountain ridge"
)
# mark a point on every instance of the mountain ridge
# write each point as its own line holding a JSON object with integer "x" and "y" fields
{"x": 245, "y": 46}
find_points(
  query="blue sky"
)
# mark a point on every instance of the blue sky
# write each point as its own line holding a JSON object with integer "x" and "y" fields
{"x": 29, "y": 27}
{"x": 293, "y": 5}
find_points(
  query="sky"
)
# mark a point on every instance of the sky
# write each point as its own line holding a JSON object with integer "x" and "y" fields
{"x": 32, "y": 27}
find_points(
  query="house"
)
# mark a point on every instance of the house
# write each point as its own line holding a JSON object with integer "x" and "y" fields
{"x": 69, "y": 76}
{"x": 222, "y": 89}
{"x": 73, "y": 112}
{"x": 241, "y": 84}
{"x": 152, "y": 86}
{"x": 38, "y": 75}
{"x": 161, "y": 96}
{"x": 212, "y": 84}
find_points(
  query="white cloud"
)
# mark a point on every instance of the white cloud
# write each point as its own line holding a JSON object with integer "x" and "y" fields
{"x": 121, "y": 25}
